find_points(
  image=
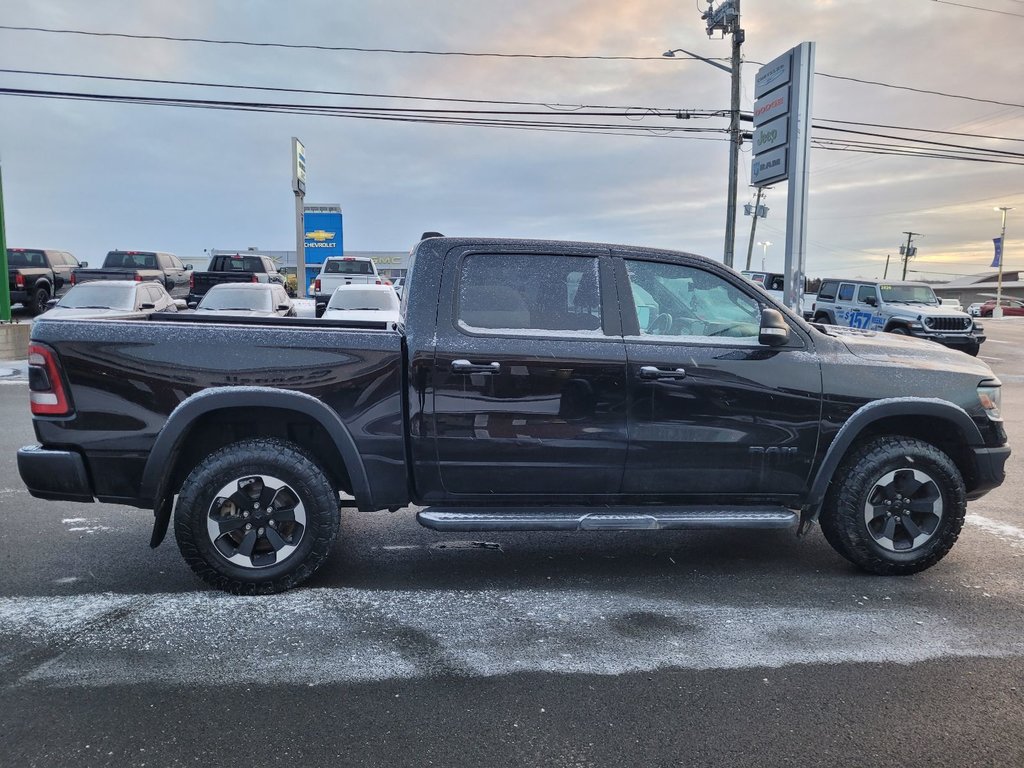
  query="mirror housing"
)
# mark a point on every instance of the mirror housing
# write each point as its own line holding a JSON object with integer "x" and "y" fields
{"x": 871, "y": 301}
{"x": 283, "y": 307}
{"x": 52, "y": 303}
{"x": 188, "y": 267}
{"x": 192, "y": 304}
{"x": 774, "y": 328}
{"x": 180, "y": 304}
{"x": 83, "y": 264}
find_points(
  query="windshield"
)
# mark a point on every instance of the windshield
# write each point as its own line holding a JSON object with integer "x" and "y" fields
{"x": 906, "y": 294}
{"x": 353, "y": 267}
{"x": 360, "y": 298}
{"x": 99, "y": 296}
{"x": 227, "y": 297}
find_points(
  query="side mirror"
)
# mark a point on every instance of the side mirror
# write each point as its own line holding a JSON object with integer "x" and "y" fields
{"x": 83, "y": 264}
{"x": 283, "y": 307}
{"x": 774, "y": 329}
{"x": 871, "y": 301}
{"x": 147, "y": 305}
{"x": 52, "y": 303}
{"x": 192, "y": 304}
{"x": 180, "y": 304}
{"x": 188, "y": 267}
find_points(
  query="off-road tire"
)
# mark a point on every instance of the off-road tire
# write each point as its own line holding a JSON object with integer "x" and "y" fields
{"x": 37, "y": 304}
{"x": 843, "y": 515}
{"x": 262, "y": 457}
{"x": 823, "y": 318}
{"x": 899, "y": 330}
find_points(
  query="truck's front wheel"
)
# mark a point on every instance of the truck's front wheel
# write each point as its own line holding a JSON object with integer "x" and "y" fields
{"x": 256, "y": 517}
{"x": 895, "y": 506}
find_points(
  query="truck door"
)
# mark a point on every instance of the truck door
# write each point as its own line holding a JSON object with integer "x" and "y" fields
{"x": 845, "y": 310}
{"x": 713, "y": 413}
{"x": 867, "y": 315}
{"x": 529, "y": 377}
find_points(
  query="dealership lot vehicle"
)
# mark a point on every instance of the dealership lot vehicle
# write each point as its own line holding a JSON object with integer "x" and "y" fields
{"x": 164, "y": 268}
{"x": 36, "y": 275}
{"x": 903, "y": 308}
{"x": 113, "y": 298}
{"x": 1011, "y": 308}
{"x": 364, "y": 302}
{"x": 233, "y": 268}
{"x": 974, "y": 310}
{"x": 343, "y": 270}
{"x": 246, "y": 300}
{"x": 616, "y": 388}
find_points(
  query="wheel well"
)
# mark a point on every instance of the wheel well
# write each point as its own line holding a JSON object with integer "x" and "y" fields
{"x": 943, "y": 434}
{"x": 224, "y": 426}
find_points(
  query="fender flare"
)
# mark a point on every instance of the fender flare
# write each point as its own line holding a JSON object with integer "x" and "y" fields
{"x": 169, "y": 441}
{"x": 895, "y": 322}
{"x": 864, "y": 417}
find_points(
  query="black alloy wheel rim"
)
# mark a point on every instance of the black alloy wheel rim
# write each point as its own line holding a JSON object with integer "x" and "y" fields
{"x": 256, "y": 521}
{"x": 903, "y": 510}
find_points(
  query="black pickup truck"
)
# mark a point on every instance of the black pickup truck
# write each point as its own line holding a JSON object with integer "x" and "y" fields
{"x": 36, "y": 275}
{"x": 141, "y": 266}
{"x": 531, "y": 385}
{"x": 234, "y": 268}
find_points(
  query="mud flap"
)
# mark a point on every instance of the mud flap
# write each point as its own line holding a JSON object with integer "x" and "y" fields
{"x": 162, "y": 515}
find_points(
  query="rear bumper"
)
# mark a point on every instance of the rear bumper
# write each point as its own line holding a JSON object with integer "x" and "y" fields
{"x": 19, "y": 297}
{"x": 990, "y": 469}
{"x": 54, "y": 475}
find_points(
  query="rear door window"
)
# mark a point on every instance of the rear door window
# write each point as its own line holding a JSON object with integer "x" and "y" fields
{"x": 846, "y": 292}
{"x": 530, "y": 292}
{"x": 866, "y": 292}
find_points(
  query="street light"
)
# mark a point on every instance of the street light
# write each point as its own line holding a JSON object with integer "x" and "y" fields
{"x": 735, "y": 137}
{"x": 764, "y": 252}
{"x": 997, "y": 310}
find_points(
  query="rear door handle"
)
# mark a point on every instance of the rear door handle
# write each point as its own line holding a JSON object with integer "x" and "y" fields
{"x": 465, "y": 366}
{"x": 650, "y": 372}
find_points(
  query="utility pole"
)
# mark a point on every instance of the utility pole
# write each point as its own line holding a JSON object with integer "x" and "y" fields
{"x": 757, "y": 211}
{"x": 885, "y": 274}
{"x": 908, "y": 251}
{"x": 726, "y": 19}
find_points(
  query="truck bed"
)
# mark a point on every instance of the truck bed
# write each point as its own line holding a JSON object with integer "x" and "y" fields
{"x": 128, "y": 376}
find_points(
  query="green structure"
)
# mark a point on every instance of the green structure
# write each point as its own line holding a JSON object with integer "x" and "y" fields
{"x": 5, "y": 288}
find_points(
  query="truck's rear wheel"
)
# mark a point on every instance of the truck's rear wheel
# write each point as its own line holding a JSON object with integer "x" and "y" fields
{"x": 256, "y": 517}
{"x": 36, "y": 305}
{"x": 895, "y": 507}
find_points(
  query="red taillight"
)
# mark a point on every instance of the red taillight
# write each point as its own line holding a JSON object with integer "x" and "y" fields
{"x": 192, "y": 281}
{"x": 74, "y": 280}
{"x": 46, "y": 389}
{"x": 19, "y": 281}
{"x": 138, "y": 278}
{"x": 378, "y": 282}
{"x": 255, "y": 279}
{"x": 316, "y": 285}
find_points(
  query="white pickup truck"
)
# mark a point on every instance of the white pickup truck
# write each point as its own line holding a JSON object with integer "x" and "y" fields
{"x": 342, "y": 270}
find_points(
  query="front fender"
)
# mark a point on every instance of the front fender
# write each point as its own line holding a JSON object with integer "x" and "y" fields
{"x": 169, "y": 442}
{"x": 863, "y": 418}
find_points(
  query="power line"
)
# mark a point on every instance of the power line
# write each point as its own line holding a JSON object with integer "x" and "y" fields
{"x": 907, "y": 128}
{"x": 336, "y": 48}
{"x": 978, "y": 8}
{"x": 477, "y": 54}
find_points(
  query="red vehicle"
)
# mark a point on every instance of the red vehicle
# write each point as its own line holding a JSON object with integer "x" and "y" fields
{"x": 1011, "y": 308}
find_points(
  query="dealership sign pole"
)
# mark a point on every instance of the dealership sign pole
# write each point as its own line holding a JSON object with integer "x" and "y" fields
{"x": 781, "y": 146}
{"x": 299, "y": 188}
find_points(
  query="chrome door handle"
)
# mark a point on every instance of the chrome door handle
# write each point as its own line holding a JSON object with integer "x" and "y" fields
{"x": 465, "y": 366}
{"x": 650, "y": 372}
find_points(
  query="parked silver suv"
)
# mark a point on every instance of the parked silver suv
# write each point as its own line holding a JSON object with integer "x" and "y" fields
{"x": 909, "y": 309}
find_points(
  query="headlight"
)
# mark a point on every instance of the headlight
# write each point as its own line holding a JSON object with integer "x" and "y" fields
{"x": 991, "y": 399}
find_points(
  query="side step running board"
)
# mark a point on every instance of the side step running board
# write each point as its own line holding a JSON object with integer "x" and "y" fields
{"x": 609, "y": 519}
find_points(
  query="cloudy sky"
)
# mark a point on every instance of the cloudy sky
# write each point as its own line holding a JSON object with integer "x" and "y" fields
{"x": 89, "y": 176}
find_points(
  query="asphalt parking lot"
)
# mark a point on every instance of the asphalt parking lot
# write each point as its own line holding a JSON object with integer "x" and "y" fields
{"x": 412, "y": 647}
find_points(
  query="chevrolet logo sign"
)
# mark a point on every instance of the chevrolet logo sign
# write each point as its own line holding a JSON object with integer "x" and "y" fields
{"x": 320, "y": 235}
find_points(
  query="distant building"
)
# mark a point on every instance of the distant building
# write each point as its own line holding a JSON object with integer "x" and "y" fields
{"x": 975, "y": 288}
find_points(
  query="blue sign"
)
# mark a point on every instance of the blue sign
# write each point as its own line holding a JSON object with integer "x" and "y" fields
{"x": 998, "y": 258}
{"x": 323, "y": 236}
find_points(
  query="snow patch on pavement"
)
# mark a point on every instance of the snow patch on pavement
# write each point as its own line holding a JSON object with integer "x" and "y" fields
{"x": 1008, "y": 533}
{"x": 320, "y": 636}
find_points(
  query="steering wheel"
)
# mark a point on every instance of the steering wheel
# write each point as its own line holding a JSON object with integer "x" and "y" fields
{"x": 661, "y": 325}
